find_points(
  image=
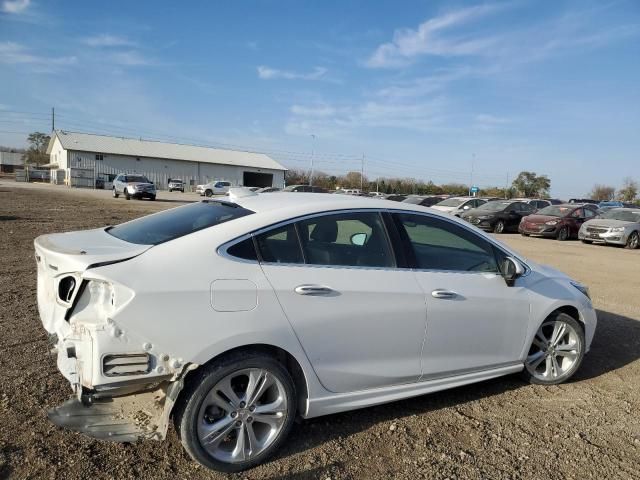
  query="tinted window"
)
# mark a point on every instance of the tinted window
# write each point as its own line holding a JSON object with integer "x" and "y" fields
{"x": 244, "y": 250}
{"x": 177, "y": 222}
{"x": 441, "y": 245}
{"x": 280, "y": 245}
{"x": 350, "y": 239}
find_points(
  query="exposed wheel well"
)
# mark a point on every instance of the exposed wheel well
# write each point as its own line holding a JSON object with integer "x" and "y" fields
{"x": 572, "y": 312}
{"x": 284, "y": 357}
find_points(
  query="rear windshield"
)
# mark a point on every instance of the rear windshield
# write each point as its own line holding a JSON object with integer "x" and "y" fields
{"x": 177, "y": 222}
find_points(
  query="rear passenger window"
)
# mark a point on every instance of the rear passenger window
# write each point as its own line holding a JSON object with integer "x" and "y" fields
{"x": 244, "y": 250}
{"x": 280, "y": 245}
{"x": 442, "y": 245}
{"x": 350, "y": 239}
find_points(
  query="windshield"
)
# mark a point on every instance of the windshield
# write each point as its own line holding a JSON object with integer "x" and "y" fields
{"x": 624, "y": 215}
{"x": 451, "y": 202}
{"x": 177, "y": 222}
{"x": 494, "y": 206}
{"x": 555, "y": 211}
{"x": 137, "y": 179}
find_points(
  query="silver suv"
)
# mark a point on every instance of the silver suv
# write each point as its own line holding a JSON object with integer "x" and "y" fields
{"x": 133, "y": 186}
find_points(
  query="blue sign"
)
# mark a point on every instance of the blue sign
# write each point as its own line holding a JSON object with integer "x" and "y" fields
{"x": 475, "y": 189}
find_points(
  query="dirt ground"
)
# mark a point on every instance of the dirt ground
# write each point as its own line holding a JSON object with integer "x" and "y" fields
{"x": 588, "y": 428}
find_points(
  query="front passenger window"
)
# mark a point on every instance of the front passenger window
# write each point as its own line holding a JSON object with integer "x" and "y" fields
{"x": 441, "y": 245}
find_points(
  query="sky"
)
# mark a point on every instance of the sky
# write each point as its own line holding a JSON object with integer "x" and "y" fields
{"x": 444, "y": 91}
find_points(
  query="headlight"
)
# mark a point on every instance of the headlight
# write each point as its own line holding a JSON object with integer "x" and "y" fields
{"x": 551, "y": 222}
{"x": 582, "y": 288}
{"x": 131, "y": 189}
{"x": 617, "y": 229}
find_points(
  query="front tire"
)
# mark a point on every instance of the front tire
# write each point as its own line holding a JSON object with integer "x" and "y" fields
{"x": 153, "y": 198}
{"x": 633, "y": 241}
{"x": 588, "y": 242}
{"x": 556, "y": 352}
{"x": 499, "y": 227}
{"x": 236, "y": 412}
{"x": 126, "y": 195}
{"x": 208, "y": 193}
{"x": 563, "y": 234}
{"x": 115, "y": 194}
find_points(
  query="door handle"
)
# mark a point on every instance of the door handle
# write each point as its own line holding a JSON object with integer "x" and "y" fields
{"x": 443, "y": 294}
{"x": 312, "y": 290}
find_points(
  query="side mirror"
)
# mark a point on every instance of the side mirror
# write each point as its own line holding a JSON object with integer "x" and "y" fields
{"x": 358, "y": 239}
{"x": 511, "y": 269}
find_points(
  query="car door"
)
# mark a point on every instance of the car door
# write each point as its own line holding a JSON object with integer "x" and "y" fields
{"x": 360, "y": 320}
{"x": 474, "y": 320}
{"x": 575, "y": 221}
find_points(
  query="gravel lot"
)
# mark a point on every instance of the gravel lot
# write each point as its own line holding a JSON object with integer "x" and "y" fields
{"x": 588, "y": 428}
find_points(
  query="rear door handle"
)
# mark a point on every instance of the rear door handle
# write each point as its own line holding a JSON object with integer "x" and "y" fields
{"x": 443, "y": 294}
{"x": 312, "y": 290}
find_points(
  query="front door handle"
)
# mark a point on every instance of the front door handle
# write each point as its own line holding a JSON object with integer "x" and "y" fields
{"x": 443, "y": 294}
{"x": 313, "y": 290}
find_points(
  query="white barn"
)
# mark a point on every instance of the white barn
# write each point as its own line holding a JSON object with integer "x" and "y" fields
{"x": 83, "y": 159}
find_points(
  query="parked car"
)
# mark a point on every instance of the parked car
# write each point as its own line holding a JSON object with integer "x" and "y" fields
{"x": 498, "y": 216}
{"x": 274, "y": 334}
{"x": 619, "y": 226}
{"x": 377, "y": 194}
{"x": 304, "y": 188}
{"x": 176, "y": 184}
{"x": 213, "y": 188}
{"x": 557, "y": 221}
{"x": 610, "y": 204}
{"x": 133, "y": 186}
{"x": 349, "y": 191}
{"x": 458, "y": 205}
{"x": 423, "y": 200}
{"x": 268, "y": 190}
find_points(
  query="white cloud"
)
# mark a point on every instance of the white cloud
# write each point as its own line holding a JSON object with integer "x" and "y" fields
{"x": 12, "y": 53}
{"x": 313, "y": 111}
{"x": 108, "y": 40}
{"x": 268, "y": 73}
{"x": 430, "y": 39}
{"x": 15, "y": 6}
{"x": 131, "y": 58}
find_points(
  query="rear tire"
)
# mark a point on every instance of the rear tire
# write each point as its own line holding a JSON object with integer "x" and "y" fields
{"x": 152, "y": 198}
{"x": 556, "y": 351}
{"x": 499, "y": 227}
{"x": 234, "y": 418}
{"x": 633, "y": 241}
{"x": 208, "y": 193}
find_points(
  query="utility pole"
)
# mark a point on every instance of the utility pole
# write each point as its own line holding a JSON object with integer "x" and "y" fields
{"x": 362, "y": 173}
{"x": 473, "y": 159}
{"x": 53, "y": 119}
{"x": 313, "y": 146}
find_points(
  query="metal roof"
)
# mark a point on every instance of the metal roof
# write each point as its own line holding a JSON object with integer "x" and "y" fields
{"x": 89, "y": 142}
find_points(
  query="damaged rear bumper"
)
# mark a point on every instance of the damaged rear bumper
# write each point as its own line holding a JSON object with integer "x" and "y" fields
{"x": 138, "y": 416}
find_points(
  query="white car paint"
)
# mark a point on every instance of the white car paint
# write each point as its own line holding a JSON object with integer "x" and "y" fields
{"x": 380, "y": 336}
{"x": 217, "y": 187}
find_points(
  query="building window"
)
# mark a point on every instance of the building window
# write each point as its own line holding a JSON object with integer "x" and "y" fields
{"x": 99, "y": 156}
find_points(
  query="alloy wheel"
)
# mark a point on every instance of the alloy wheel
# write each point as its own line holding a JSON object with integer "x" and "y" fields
{"x": 634, "y": 241}
{"x": 563, "y": 234}
{"x": 555, "y": 351}
{"x": 242, "y": 415}
{"x": 499, "y": 228}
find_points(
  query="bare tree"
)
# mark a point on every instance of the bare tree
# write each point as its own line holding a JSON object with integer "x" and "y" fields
{"x": 629, "y": 190}
{"x": 602, "y": 192}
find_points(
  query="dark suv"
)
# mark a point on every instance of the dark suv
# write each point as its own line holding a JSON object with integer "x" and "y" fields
{"x": 557, "y": 221}
{"x": 499, "y": 216}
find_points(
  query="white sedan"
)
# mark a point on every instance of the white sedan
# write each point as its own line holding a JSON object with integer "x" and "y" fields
{"x": 231, "y": 317}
